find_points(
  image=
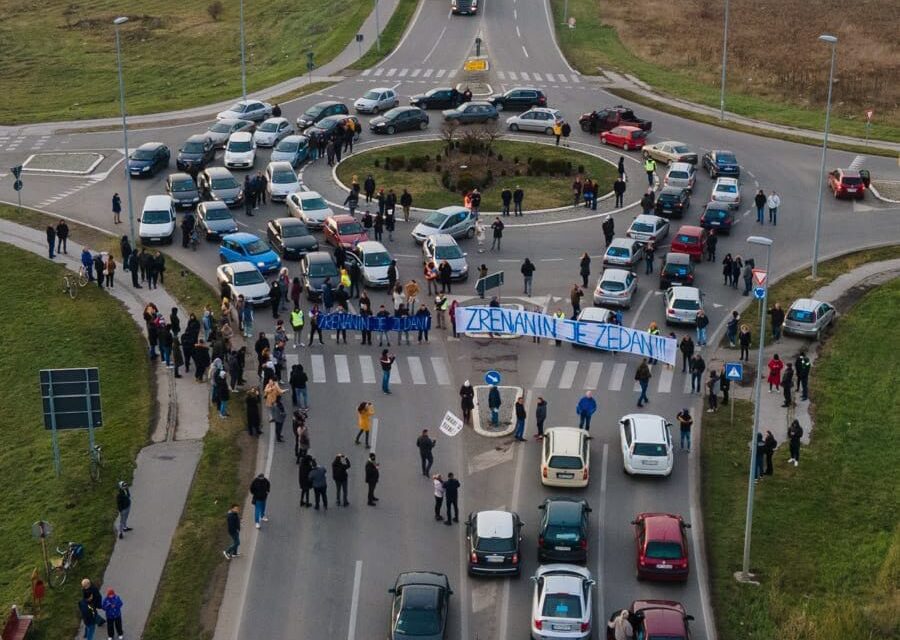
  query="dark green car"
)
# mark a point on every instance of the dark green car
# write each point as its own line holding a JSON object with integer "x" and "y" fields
{"x": 477, "y": 111}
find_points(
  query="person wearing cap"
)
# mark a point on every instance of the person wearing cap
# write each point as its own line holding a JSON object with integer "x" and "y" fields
{"x": 123, "y": 504}
{"x": 112, "y": 606}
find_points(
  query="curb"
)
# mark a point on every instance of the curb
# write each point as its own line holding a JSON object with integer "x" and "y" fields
{"x": 879, "y": 196}
{"x": 476, "y": 417}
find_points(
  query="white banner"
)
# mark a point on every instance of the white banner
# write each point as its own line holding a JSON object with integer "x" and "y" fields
{"x": 609, "y": 337}
{"x": 451, "y": 424}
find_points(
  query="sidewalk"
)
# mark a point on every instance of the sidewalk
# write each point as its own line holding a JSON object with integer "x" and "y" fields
{"x": 329, "y": 72}
{"x": 164, "y": 470}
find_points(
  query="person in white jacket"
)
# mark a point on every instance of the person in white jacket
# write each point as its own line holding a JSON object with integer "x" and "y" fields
{"x": 774, "y": 201}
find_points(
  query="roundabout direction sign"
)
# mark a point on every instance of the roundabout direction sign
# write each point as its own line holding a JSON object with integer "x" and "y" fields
{"x": 492, "y": 377}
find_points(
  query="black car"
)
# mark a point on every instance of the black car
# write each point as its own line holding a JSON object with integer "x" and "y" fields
{"x": 521, "y": 98}
{"x": 148, "y": 158}
{"x": 672, "y": 202}
{"x": 399, "y": 119}
{"x": 439, "y": 98}
{"x": 327, "y": 127}
{"x": 721, "y": 163}
{"x": 678, "y": 270}
{"x": 420, "y": 607}
{"x": 290, "y": 238}
{"x": 494, "y": 538}
{"x": 315, "y": 267}
{"x": 320, "y": 110}
{"x": 564, "y": 533}
{"x": 182, "y": 189}
{"x": 196, "y": 152}
{"x": 718, "y": 216}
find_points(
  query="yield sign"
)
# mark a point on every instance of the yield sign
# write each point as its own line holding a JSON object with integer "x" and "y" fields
{"x": 759, "y": 277}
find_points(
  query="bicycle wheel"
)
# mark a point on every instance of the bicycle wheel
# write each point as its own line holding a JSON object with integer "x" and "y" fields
{"x": 69, "y": 287}
{"x": 58, "y": 576}
{"x": 82, "y": 277}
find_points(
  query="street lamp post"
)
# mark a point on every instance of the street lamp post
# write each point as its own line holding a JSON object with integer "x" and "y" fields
{"x": 243, "y": 57}
{"x": 118, "y": 22}
{"x": 724, "y": 65}
{"x": 815, "y": 259}
{"x": 377, "y": 29}
{"x": 751, "y": 482}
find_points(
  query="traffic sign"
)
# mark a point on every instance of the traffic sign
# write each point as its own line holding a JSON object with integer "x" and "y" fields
{"x": 492, "y": 377}
{"x": 491, "y": 281}
{"x": 16, "y": 171}
{"x": 759, "y": 277}
{"x": 17, "y": 185}
{"x": 359, "y": 37}
{"x": 759, "y": 293}
{"x": 869, "y": 114}
{"x": 734, "y": 371}
{"x": 451, "y": 424}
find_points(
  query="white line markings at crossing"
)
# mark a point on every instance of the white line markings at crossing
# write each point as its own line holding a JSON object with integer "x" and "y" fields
{"x": 368, "y": 369}
{"x": 568, "y": 375}
{"x": 543, "y": 375}
{"x": 618, "y": 374}
{"x": 440, "y": 370}
{"x": 343, "y": 368}
{"x": 318, "y": 368}
{"x": 665, "y": 380}
{"x": 593, "y": 376}
{"x": 416, "y": 372}
{"x": 354, "y": 600}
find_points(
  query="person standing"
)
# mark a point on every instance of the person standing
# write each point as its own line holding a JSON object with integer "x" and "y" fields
{"x": 648, "y": 201}
{"x": 760, "y": 456}
{"x": 406, "y": 201}
{"x": 776, "y": 315}
{"x": 744, "y": 340}
{"x": 712, "y": 388}
{"x": 299, "y": 380}
{"x": 521, "y": 415}
{"x": 585, "y": 409}
{"x": 795, "y": 433}
{"x": 650, "y": 169}
{"x": 540, "y": 416}
{"x": 497, "y": 233}
{"x": 619, "y": 188}
{"x": 577, "y": 187}
{"x": 451, "y": 495}
{"x": 686, "y": 346}
{"x": 724, "y": 385}
{"x": 364, "y": 414}
{"x": 467, "y": 401}
{"x": 621, "y": 168}
{"x": 387, "y": 362}
{"x": 62, "y": 237}
{"x": 494, "y": 403}
{"x": 584, "y": 268}
{"x": 557, "y": 131}
{"x": 505, "y": 200}
{"x": 340, "y": 468}
{"x": 643, "y": 375}
{"x": 748, "y": 277}
{"x": 51, "y": 243}
{"x": 731, "y": 328}
{"x": 518, "y": 197}
{"x": 685, "y": 422}
{"x": 352, "y": 201}
{"x": 110, "y": 271}
{"x": 233, "y": 524}
{"x": 112, "y": 607}
{"x": 117, "y": 209}
{"x": 372, "y": 476}
{"x": 787, "y": 384}
{"x": 123, "y": 505}
{"x": 698, "y": 366}
{"x": 760, "y": 201}
{"x": 479, "y": 235}
{"x": 770, "y": 444}
{"x": 89, "y": 614}
{"x": 425, "y": 445}
{"x": 774, "y": 202}
{"x": 802, "y": 366}
{"x": 575, "y": 296}
{"x": 437, "y": 483}
{"x": 319, "y": 480}
{"x": 259, "y": 490}
{"x": 712, "y": 241}
{"x": 252, "y": 406}
{"x": 527, "y": 275}
{"x": 702, "y": 324}
{"x": 775, "y": 367}
{"x": 649, "y": 253}
{"x": 369, "y": 188}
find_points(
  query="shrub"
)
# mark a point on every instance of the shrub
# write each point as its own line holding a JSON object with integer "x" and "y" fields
{"x": 518, "y": 173}
{"x": 515, "y": 159}
{"x": 580, "y": 168}
{"x": 215, "y": 10}
{"x": 488, "y": 179}
{"x": 499, "y": 157}
{"x": 417, "y": 162}
{"x": 467, "y": 181}
{"x": 398, "y": 163}
{"x": 377, "y": 162}
{"x": 427, "y": 158}
{"x": 445, "y": 180}
{"x": 437, "y": 168}
{"x": 503, "y": 172}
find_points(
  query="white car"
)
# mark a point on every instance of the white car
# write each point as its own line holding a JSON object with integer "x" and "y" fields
{"x": 281, "y": 180}
{"x": 240, "y": 150}
{"x": 373, "y": 260}
{"x": 243, "y": 279}
{"x": 454, "y": 220}
{"x": 683, "y": 305}
{"x": 540, "y": 119}
{"x": 646, "y": 227}
{"x": 157, "y": 221}
{"x": 646, "y": 444}
{"x": 253, "y": 110}
{"x": 623, "y": 252}
{"x": 442, "y": 246}
{"x": 377, "y": 100}
{"x": 616, "y": 288}
{"x": 566, "y": 457}
{"x": 727, "y": 191}
{"x": 310, "y": 207}
{"x": 561, "y": 607}
{"x": 270, "y": 132}
{"x": 681, "y": 174}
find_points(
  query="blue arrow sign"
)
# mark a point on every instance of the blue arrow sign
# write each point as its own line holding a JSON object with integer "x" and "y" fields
{"x": 734, "y": 371}
{"x": 492, "y": 377}
{"x": 759, "y": 293}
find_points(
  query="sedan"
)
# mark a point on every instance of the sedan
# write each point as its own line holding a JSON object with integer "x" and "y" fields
{"x": 683, "y": 304}
{"x": 472, "y": 112}
{"x": 292, "y": 149}
{"x": 519, "y": 98}
{"x": 344, "y": 231}
{"x": 319, "y": 111}
{"x": 494, "y": 538}
{"x": 220, "y": 131}
{"x": 661, "y": 619}
{"x": 443, "y": 247}
{"x": 214, "y": 219}
{"x": 439, "y": 98}
{"x": 253, "y": 110}
{"x": 290, "y": 238}
{"x": 270, "y": 132}
{"x": 243, "y": 279}
{"x": 670, "y": 151}
{"x": 281, "y": 180}
{"x": 623, "y": 252}
{"x": 808, "y": 318}
{"x": 718, "y": 216}
{"x": 562, "y": 603}
{"x": 662, "y": 546}
{"x": 454, "y": 220}
{"x": 218, "y": 183}
{"x": 564, "y": 531}
{"x": 616, "y": 288}
{"x": 539, "y": 119}
{"x": 329, "y": 127}
{"x": 626, "y": 137}
{"x": 196, "y": 152}
{"x": 148, "y": 158}
{"x": 672, "y": 202}
{"x": 310, "y": 207}
{"x": 647, "y": 227}
{"x": 377, "y": 101}
{"x": 315, "y": 268}
{"x": 400, "y": 119}
{"x": 182, "y": 189}
{"x": 678, "y": 269}
{"x": 420, "y": 607}
{"x": 721, "y": 163}
{"x": 374, "y": 261}
{"x": 240, "y": 247}
{"x": 727, "y": 191}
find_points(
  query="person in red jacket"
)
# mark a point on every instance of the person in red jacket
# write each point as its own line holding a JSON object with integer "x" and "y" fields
{"x": 775, "y": 367}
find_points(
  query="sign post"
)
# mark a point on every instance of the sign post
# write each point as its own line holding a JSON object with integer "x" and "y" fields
{"x": 490, "y": 281}
{"x": 17, "y": 185}
{"x": 760, "y": 278}
{"x": 734, "y": 372}
{"x": 359, "y": 40}
{"x": 71, "y": 400}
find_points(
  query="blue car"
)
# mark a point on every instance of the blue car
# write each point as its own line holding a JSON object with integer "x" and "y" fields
{"x": 721, "y": 163}
{"x": 148, "y": 158}
{"x": 293, "y": 149}
{"x": 246, "y": 247}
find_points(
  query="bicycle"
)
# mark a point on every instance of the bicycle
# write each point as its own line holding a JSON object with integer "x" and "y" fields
{"x": 96, "y": 453}
{"x": 69, "y": 559}
{"x": 71, "y": 282}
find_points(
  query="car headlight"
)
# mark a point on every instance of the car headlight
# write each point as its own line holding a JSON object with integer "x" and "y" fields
{"x": 260, "y": 264}
{"x": 147, "y": 168}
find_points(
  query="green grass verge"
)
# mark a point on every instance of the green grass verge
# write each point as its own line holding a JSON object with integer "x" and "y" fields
{"x": 190, "y": 589}
{"x": 174, "y": 55}
{"x": 826, "y": 539}
{"x": 190, "y": 290}
{"x": 541, "y": 192}
{"x": 42, "y": 328}
{"x": 593, "y": 44}
{"x": 390, "y": 36}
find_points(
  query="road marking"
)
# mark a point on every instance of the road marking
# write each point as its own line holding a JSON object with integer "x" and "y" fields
{"x": 318, "y": 368}
{"x": 343, "y": 368}
{"x": 665, "y": 380}
{"x": 366, "y": 72}
{"x": 440, "y": 73}
{"x": 518, "y": 33}
{"x": 552, "y": 259}
{"x": 395, "y": 373}
{"x": 354, "y": 601}
{"x": 391, "y": 72}
{"x": 416, "y": 372}
{"x": 537, "y": 76}
{"x": 524, "y": 75}
{"x": 368, "y": 369}
{"x": 525, "y": 51}
{"x": 451, "y": 73}
{"x": 436, "y": 43}
{"x": 402, "y": 73}
{"x": 593, "y": 375}
{"x": 484, "y": 596}
{"x": 427, "y": 73}
{"x": 568, "y": 374}
{"x": 415, "y": 72}
{"x": 515, "y": 14}
{"x": 618, "y": 374}
{"x": 379, "y": 71}
{"x": 374, "y": 433}
{"x": 543, "y": 375}
{"x": 513, "y": 76}
{"x": 396, "y": 85}
{"x": 501, "y": 74}
{"x": 549, "y": 77}
{"x": 686, "y": 387}
{"x": 575, "y": 79}
{"x": 490, "y": 458}
{"x": 440, "y": 370}
{"x": 604, "y": 467}
{"x": 641, "y": 307}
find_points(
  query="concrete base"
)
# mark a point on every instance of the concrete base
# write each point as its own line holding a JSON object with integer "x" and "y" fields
{"x": 746, "y": 578}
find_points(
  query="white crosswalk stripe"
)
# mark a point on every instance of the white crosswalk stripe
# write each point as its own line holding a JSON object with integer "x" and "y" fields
{"x": 618, "y": 374}
{"x": 562, "y": 78}
{"x": 568, "y": 375}
{"x": 513, "y": 75}
{"x": 440, "y": 370}
{"x": 440, "y": 73}
{"x": 537, "y": 76}
{"x": 451, "y": 73}
{"x": 592, "y": 381}
{"x": 391, "y": 72}
{"x": 366, "y": 72}
{"x": 343, "y": 368}
{"x": 416, "y": 372}
{"x": 427, "y": 73}
{"x": 686, "y": 387}
{"x": 575, "y": 79}
{"x": 395, "y": 374}
{"x": 543, "y": 375}
{"x": 415, "y": 72}
{"x": 402, "y": 73}
{"x": 368, "y": 369}
{"x": 665, "y": 380}
{"x": 318, "y": 368}
{"x": 525, "y": 75}
{"x": 379, "y": 71}
{"x": 501, "y": 75}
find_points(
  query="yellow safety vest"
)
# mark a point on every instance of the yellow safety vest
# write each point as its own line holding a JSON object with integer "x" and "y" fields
{"x": 297, "y": 318}
{"x": 345, "y": 278}
{"x": 649, "y": 165}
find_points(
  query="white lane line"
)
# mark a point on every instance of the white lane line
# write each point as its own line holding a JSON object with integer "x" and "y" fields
{"x": 641, "y": 308}
{"x": 525, "y": 51}
{"x": 436, "y": 43}
{"x": 391, "y": 72}
{"x": 513, "y": 76}
{"x": 440, "y": 73}
{"x": 618, "y": 374}
{"x": 489, "y": 459}
{"x": 368, "y": 369}
{"x": 568, "y": 375}
{"x": 686, "y": 387}
{"x": 354, "y": 601}
{"x": 451, "y": 73}
{"x": 592, "y": 381}
{"x": 415, "y": 72}
{"x": 440, "y": 370}
{"x": 604, "y": 466}
{"x": 416, "y": 372}
{"x": 374, "y": 433}
{"x": 379, "y": 71}
{"x": 543, "y": 375}
{"x": 515, "y": 14}
{"x": 575, "y": 79}
{"x": 501, "y": 75}
{"x": 665, "y": 380}
{"x": 343, "y": 368}
{"x": 518, "y": 33}
{"x": 318, "y": 368}
{"x": 552, "y": 259}
{"x": 396, "y": 85}
{"x": 366, "y": 72}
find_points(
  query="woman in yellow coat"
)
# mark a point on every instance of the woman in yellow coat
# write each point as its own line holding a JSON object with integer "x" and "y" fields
{"x": 364, "y": 413}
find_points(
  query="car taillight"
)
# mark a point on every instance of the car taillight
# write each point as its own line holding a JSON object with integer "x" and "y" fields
{"x": 540, "y": 541}
{"x": 670, "y": 312}
{"x": 585, "y": 627}
{"x": 474, "y": 557}
{"x": 544, "y": 471}
{"x": 666, "y": 180}
{"x": 515, "y": 558}
{"x": 583, "y": 544}
{"x": 538, "y": 624}
{"x": 584, "y": 474}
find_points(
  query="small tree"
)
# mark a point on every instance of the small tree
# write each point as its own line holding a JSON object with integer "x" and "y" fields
{"x": 215, "y": 10}
{"x": 448, "y": 135}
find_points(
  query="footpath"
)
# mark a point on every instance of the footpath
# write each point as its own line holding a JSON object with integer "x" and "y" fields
{"x": 164, "y": 469}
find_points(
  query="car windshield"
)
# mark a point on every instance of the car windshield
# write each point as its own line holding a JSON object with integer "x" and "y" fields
{"x": 288, "y": 146}
{"x": 681, "y": 148}
{"x": 618, "y": 252}
{"x": 727, "y": 188}
{"x": 668, "y": 197}
{"x": 238, "y": 107}
{"x": 851, "y": 182}
{"x": 676, "y": 269}
{"x": 448, "y": 252}
{"x": 377, "y": 259}
{"x": 284, "y": 177}
{"x": 142, "y": 154}
{"x": 156, "y": 217}
{"x": 435, "y": 220}
{"x": 565, "y": 462}
{"x": 679, "y": 175}
{"x": 664, "y": 550}
{"x": 244, "y": 278}
{"x": 685, "y": 239}
{"x": 685, "y": 304}
{"x": 224, "y": 183}
{"x": 220, "y": 127}
{"x": 642, "y": 227}
{"x": 350, "y": 229}
{"x": 649, "y": 449}
{"x": 496, "y": 545}
{"x": 638, "y": 134}
{"x": 218, "y": 213}
{"x": 561, "y": 605}
{"x": 256, "y": 247}
{"x": 716, "y": 214}
{"x": 313, "y": 111}
{"x": 726, "y": 158}
{"x": 322, "y": 269}
{"x": 183, "y": 185}
{"x": 371, "y": 95}
{"x": 612, "y": 285}
{"x": 269, "y": 127}
{"x": 418, "y": 622}
{"x": 313, "y": 204}
{"x": 240, "y": 147}
{"x": 562, "y": 533}
{"x": 192, "y": 147}
{"x": 801, "y": 315}
{"x": 294, "y": 231}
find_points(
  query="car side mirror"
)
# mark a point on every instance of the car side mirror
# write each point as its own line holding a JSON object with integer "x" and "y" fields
{"x": 450, "y": 591}
{"x": 634, "y": 522}
{"x": 465, "y": 255}
{"x": 542, "y": 506}
{"x": 534, "y": 579}
{"x": 587, "y": 509}
{"x": 392, "y": 590}
{"x": 689, "y": 617}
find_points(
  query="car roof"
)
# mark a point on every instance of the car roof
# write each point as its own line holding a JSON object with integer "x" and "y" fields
{"x": 288, "y": 222}
{"x": 343, "y": 218}
{"x": 483, "y": 103}
{"x": 647, "y": 428}
{"x": 230, "y": 121}
{"x": 566, "y": 440}
{"x": 663, "y": 617}
{"x": 622, "y": 242}
{"x": 690, "y": 230}
{"x": 563, "y": 583}
{"x": 684, "y": 293}
{"x": 615, "y": 274}
{"x": 524, "y": 89}
{"x": 443, "y": 239}
{"x": 629, "y": 128}
{"x": 726, "y": 180}
{"x": 678, "y": 258}
{"x": 157, "y": 201}
{"x": 319, "y": 256}
{"x": 594, "y": 314}
{"x": 371, "y": 246}
{"x": 723, "y": 151}
{"x": 671, "y": 190}
{"x": 295, "y": 137}
{"x": 241, "y": 135}
{"x": 806, "y": 304}
{"x": 336, "y": 117}
{"x": 240, "y": 266}
{"x": 381, "y": 89}
{"x": 241, "y": 237}
{"x": 681, "y": 166}
{"x": 278, "y": 119}
{"x": 180, "y": 175}
{"x": 327, "y": 103}
{"x": 566, "y": 509}
{"x": 197, "y": 137}
{"x": 559, "y": 569}
{"x": 670, "y": 142}
{"x": 308, "y": 195}
{"x": 549, "y": 110}
{"x": 280, "y": 164}
{"x": 147, "y": 146}
{"x": 662, "y": 527}
{"x": 848, "y": 173}
{"x": 647, "y": 218}
{"x": 494, "y": 524}
{"x": 429, "y": 578}
{"x": 714, "y": 204}
{"x": 218, "y": 171}
{"x": 451, "y": 210}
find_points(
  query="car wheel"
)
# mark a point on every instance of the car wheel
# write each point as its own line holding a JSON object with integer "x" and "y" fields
{"x": 470, "y": 233}
{"x": 423, "y": 125}
{"x": 513, "y": 127}
{"x": 603, "y": 140}
{"x": 375, "y": 111}
{"x": 625, "y": 147}
{"x": 549, "y": 131}
{"x": 391, "y": 131}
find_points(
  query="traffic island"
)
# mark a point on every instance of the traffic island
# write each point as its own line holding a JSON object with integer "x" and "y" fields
{"x": 481, "y": 415}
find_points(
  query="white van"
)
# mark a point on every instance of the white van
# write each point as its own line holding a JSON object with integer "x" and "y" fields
{"x": 157, "y": 220}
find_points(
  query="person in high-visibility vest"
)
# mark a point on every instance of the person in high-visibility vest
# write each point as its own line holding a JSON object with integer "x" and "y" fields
{"x": 345, "y": 278}
{"x": 650, "y": 168}
{"x": 653, "y": 330}
{"x": 297, "y": 321}
{"x": 440, "y": 306}
{"x": 559, "y": 315}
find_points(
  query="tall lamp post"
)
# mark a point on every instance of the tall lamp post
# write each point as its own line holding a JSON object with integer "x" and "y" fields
{"x": 724, "y": 65}
{"x": 751, "y": 482}
{"x": 832, "y": 40}
{"x": 377, "y": 29}
{"x": 243, "y": 57}
{"x": 119, "y": 22}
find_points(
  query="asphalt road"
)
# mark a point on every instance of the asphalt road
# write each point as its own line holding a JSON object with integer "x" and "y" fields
{"x": 326, "y": 575}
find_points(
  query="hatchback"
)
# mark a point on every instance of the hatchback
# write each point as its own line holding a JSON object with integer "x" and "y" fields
{"x": 808, "y": 318}
{"x": 254, "y": 110}
{"x": 218, "y": 183}
{"x": 400, "y": 119}
{"x": 683, "y": 304}
{"x": 281, "y": 181}
{"x": 243, "y": 279}
{"x": 214, "y": 219}
{"x": 453, "y": 220}
{"x": 246, "y": 247}
{"x": 293, "y": 149}
{"x": 646, "y": 442}
{"x": 240, "y": 151}
{"x": 344, "y": 231}
{"x": 718, "y": 216}
{"x": 220, "y": 131}
{"x": 727, "y": 191}
{"x": 420, "y": 606}
{"x": 626, "y": 137}
{"x": 562, "y": 603}
{"x": 678, "y": 269}
{"x": 182, "y": 189}
{"x": 494, "y": 538}
{"x": 566, "y": 458}
{"x": 539, "y": 119}
{"x": 316, "y": 267}
{"x": 319, "y": 111}
{"x": 564, "y": 531}
{"x": 290, "y": 237}
{"x": 331, "y": 126}
{"x": 623, "y": 252}
{"x": 662, "y": 546}
{"x": 690, "y": 240}
{"x": 647, "y": 227}
{"x": 310, "y": 207}
{"x": 373, "y": 260}
{"x": 616, "y": 288}
{"x": 846, "y": 184}
{"x": 441, "y": 247}
{"x": 377, "y": 101}
{"x": 519, "y": 98}
{"x": 270, "y": 132}
{"x": 681, "y": 174}
{"x": 148, "y": 158}
{"x": 672, "y": 202}
{"x": 472, "y": 112}
{"x": 661, "y": 619}
{"x": 196, "y": 152}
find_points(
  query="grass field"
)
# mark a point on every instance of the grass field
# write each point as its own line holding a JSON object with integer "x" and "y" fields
{"x": 60, "y": 58}
{"x": 44, "y": 329}
{"x": 777, "y": 70}
{"x": 826, "y": 534}
{"x": 540, "y": 191}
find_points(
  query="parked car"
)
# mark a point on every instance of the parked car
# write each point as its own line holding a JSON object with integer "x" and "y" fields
{"x": 476, "y": 111}
{"x": 281, "y": 181}
{"x": 293, "y": 149}
{"x": 443, "y": 246}
{"x": 595, "y": 315}
{"x": 564, "y": 533}
{"x": 196, "y": 152}
{"x": 539, "y": 119}
{"x": 182, "y": 189}
{"x": 519, "y": 98}
{"x": 611, "y": 117}
{"x": 319, "y": 111}
{"x": 253, "y": 110}
{"x": 672, "y": 202}
{"x": 240, "y": 151}
{"x": 690, "y": 240}
{"x": 147, "y": 159}
{"x": 721, "y": 163}
{"x": 718, "y": 216}
{"x": 221, "y": 130}
{"x": 626, "y": 137}
{"x": 661, "y": 546}
{"x": 493, "y": 540}
{"x": 616, "y": 288}
{"x": 678, "y": 269}
{"x": 808, "y": 318}
{"x": 454, "y": 220}
{"x": 646, "y": 442}
{"x": 623, "y": 253}
{"x": 438, "y": 98}
{"x": 374, "y": 260}
{"x": 344, "y": 230}
{"x": 399, "y": 119}
{"x": 310, "y": 207}
{"x": 846, "y": 184}
{"x": 377, "y": 100}
{"x": 290, "y": 238}
{"x": 660, "y": 619}
{"x": 328, "y": 127}
{"x": 645, "y": 228}
{"x": 466, "y": 7}
{"x": 240, "y": 247}
{"x": 157, "y": 221}
{"x": 562, "y": 604}
{"x": 218, "y": 183}
{"x": 271, "y": 132}
{"x": 243, "y": 279}
{"x": 681, "y": 174}
{"x": 315, "y": 268}
{"x": 566, "y": 457}
{"x": 683, "y": 304}
{"x": 727, "y": 191}
{"x": 670, "y": 152}
{"x": 214, "y": 219}
{"x": 420, "y": 606}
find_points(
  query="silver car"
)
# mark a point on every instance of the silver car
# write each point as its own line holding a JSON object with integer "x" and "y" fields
{"x": 254, "y": 110}
{"x": 681, "y": 174}
{"x": 443, "y": 247}
{"x": 377, "y": 100}
{"x": 683, "y": 304}
{"x": 648, "y": 227}
{"x": 540, "y": 119}
{"x": 561, "y": 606}
{"x": 310, "y": 207}
{"x": 808, "y": 318}
{"x": 623, "y": 252}
{"x": 220, "y": 131}
{"x": 218, "y": 183}
{"x": 454, "y": 220}
{"x": 727, "y": 191}
{"x": 374, "y": 261}
{"x": 616, "y": 288}
{"x": 270, "y": 132}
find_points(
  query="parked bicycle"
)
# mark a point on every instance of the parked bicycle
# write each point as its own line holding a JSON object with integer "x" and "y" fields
{"x": 72, "y": 281}
{"x": 68, "y": 560}
{"x": 96, "y": 453}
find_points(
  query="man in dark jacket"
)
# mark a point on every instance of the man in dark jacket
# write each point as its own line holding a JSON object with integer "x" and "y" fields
{"x": 445, "y": 276}
{"x": 686, "y": 346}
{"x": 233, "y": 523}
{"x": 406, "y": 203}
{"x": 518, "y": 197}
{"x": 540, "y": 415}
{"x": 187, "y": 227}
{"x": 698, "y": 366}
{"x": 369, "y": 187}
{"x": 609, "y": 229}
{"x": 352, "y": 201}
{"x": 319, "y": 480}
{"x": 802, "y": 366}
{"x": 497, "y": 230}
{"x": 355, "y": 273}
{"x": 51, "y": 242}
{"x": 494, "y": 403}
{"x": 98, "y": 269}
{"x": 648, "y": 201}
{"x": 259, "y": 489}
{"x": 711, "y": 241}
{"x": 777, "y": 317}
{"x": 390, "y": 203}
{"x": 339, "y": 473}
{"x": 506, "y": 198}
{"x": 521, "y": 415}
{"x": 760, "y": 201}
{"x": 451, "y": 495}
{"x": 527, "y": 275}
{"x": 425, "y": 444}
{"x": 123, "y": 505}
{"x": 62, "y": 236}
{"x": 372, "y": 475}
{"x": 619, "y": 189}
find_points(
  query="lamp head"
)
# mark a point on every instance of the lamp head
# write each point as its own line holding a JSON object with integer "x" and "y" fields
{"x": 829, "y": 39}
{"x": 120, "y": 20}
{"x": 760, "y": 240}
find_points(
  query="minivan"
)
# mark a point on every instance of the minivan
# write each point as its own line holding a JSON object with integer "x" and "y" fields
{"x": 157, "y": 221}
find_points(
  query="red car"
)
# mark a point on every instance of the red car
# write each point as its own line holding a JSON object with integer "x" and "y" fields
{"x": 626, "y": 137}
{"x": 690, "y": 240}
{"x": 661, "y": 619}
{"x": 662, "y": 546}
{"x": 344, "y": 230}
{"x": 846, "y": 184}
